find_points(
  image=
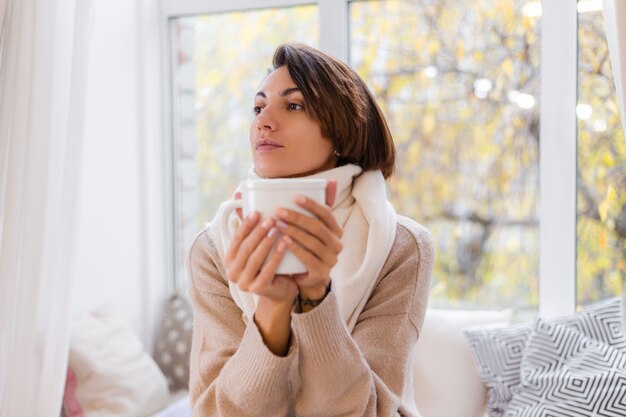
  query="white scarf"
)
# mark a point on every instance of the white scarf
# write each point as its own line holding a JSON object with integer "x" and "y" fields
{"x": 369, "y": 224}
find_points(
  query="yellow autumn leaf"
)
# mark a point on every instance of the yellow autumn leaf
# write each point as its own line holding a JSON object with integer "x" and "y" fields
{"x": 460, "y": 49}
{"x": 507, "y": 67}
{"x": 608, "y": 160}
{"x": 433, "y": 46}
{"x": 403, "y": 189}
{"x": 414, "y": 152}
{"x": 603, "y": 210}
{"x": 479, "y": 56}
{"x": 446, "y": 18}
{"x": 418, "y": 43}
{"x": 527, "y": 23}
{"x": 611, "y": 194}
{"x": 603, "y": 239}
{"x": 213, "y": 77}
{"x": 506, "y": 10}
{"x": 428, "y": 124}
{"x": 465, "y": 113}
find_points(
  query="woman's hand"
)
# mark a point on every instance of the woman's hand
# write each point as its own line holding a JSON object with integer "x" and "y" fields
{"x": 244, "y": 261}
{"x": 316, "y": 241}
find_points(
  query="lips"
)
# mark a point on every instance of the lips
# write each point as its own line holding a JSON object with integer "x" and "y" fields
{"x": 264, "y": 145}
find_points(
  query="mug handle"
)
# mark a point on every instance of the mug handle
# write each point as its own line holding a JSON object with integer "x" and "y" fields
{"x": 227, "y": 229}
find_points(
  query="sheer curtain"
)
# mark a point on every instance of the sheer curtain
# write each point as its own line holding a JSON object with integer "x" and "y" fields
{"x": 43, "y": 46}
{"x": 615, "y": 23}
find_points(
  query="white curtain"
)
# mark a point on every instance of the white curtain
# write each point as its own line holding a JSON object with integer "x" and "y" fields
{"x": 43, "y": 51}
{"x": 615, "y": 24}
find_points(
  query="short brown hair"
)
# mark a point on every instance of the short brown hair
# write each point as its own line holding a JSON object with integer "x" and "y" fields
{"x": 343, "y": 105}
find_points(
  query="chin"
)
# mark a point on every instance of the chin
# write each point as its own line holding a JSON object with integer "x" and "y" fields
{"x": 276, "y": 170}
{"x": 268, "y": 172}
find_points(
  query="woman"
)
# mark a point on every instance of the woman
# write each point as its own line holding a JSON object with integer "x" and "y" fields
{"x": 337, "y": 340}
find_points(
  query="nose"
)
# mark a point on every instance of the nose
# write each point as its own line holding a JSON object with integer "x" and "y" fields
{"x": 266, "y": 119}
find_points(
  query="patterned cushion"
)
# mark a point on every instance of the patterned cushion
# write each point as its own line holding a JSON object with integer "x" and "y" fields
{"x": 566, "y": 373}
{"x": 498, "y": 352}
{"x": 174, "y": 342}
{"x": 498, "y": 355}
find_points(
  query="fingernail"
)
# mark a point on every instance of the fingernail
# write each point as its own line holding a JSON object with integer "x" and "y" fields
{"x": 281, "y": 213}
{"x": 281, "y": 246}
{"x": 273, "y": 233}
{"x": 253, "y": 216}
{"x": 281, "y": 225}
{"x": 267, "y": 223}
{"x": 300, "y": 199}
{"x": 287, "y": 239}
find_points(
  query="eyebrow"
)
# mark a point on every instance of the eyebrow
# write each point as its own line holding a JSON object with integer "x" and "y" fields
{"x": 283, "y": 94}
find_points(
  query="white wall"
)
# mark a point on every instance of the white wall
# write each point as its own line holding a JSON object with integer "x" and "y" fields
{"x": 122, "y": 249}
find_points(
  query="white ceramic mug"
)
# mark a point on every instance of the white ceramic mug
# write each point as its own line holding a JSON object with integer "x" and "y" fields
{"x": 266, "y": 196}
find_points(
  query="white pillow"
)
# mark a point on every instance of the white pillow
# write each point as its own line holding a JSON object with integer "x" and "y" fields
{"x": 115, "y": 377}
{"x": 446, "y": 382}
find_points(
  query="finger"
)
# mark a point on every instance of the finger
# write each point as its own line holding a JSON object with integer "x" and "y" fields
{"x": 250, "y": 243}
{"x": 307, "y": 258}
{"x": 284, "y": 282}
{"x": 320, "y": 213}
{"x": 311, "y": 225}
{"x": 238, "y": 256}
{"x": 268, "y": 272}
{"x": 244, "y": 230}
{"x": 324, "y": 249}
{"x": 237, "y": 196}
{"x": 258, "y": 257}
{"x": 331, "y": 192}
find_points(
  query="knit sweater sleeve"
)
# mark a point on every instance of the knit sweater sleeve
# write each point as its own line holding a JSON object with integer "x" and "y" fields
{"x": 232, "y": 372}
{"x": 363, "y": 373}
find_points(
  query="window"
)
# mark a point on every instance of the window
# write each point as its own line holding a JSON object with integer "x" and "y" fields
{"x": 601, "y": 223}
{"x": 217, "y": 68}
{"x": 459, "y": 83}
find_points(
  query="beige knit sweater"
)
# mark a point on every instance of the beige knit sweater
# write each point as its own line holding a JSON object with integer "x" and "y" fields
{"x": 328, "y": 371}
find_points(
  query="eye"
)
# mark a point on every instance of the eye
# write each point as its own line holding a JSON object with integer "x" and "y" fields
{"x": 295, "y": 106}
{"x": 256, "y": 109}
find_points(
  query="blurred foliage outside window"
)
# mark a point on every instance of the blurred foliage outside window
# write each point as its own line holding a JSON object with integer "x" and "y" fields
{"x": 459, "y": 85}
{"x": 220, "y": 62}
{"x": 601, "y": 225}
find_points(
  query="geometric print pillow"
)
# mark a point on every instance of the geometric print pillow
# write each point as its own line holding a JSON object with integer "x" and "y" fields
{"x": 602, "y": 321}
{"x": 498, "y": 352}
{"x": 174, "y": 342}
{"x": 498, "y": 355}
{"x": 565, "y": 373}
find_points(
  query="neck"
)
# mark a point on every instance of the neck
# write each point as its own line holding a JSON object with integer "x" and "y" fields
{"x": 330, "y": 163}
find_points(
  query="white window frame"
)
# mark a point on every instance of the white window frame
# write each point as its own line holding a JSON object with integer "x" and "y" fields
{"x": 558, "y": 140}
{"x": 558, "y": 158}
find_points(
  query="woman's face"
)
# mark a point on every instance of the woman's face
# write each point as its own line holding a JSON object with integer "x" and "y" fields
{"x": 285, "y": 140}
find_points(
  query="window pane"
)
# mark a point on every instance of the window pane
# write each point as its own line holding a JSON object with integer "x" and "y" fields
{"x": 219, "y": 62}
{"x": 601, "y": 243}
{"x": 459, "y": 84}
